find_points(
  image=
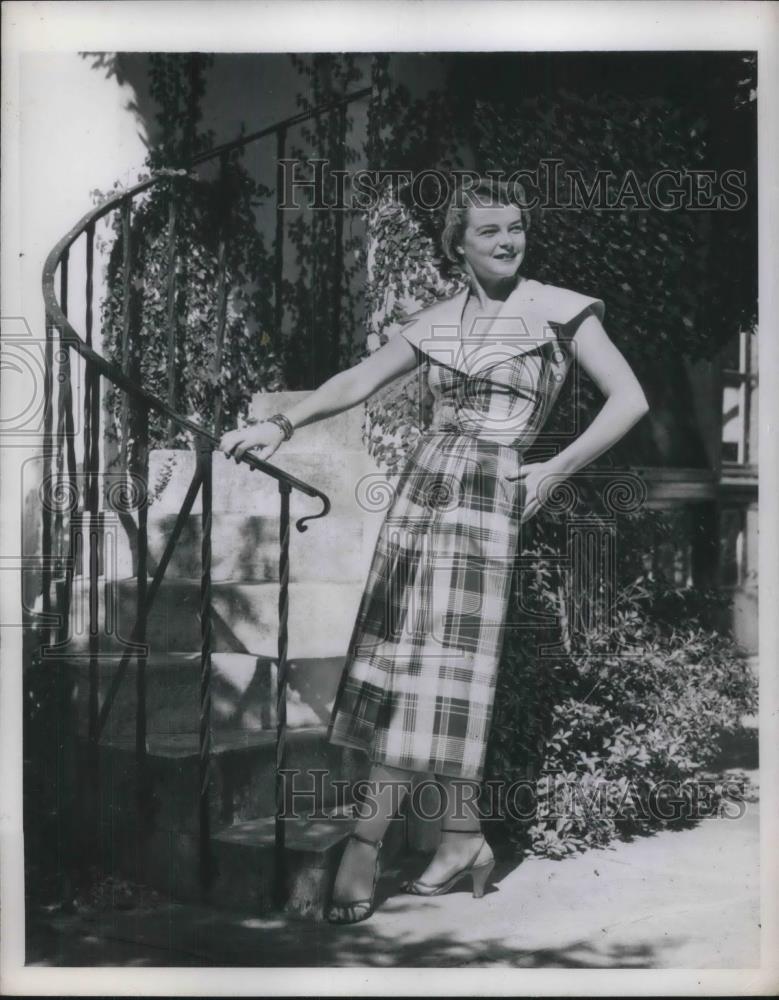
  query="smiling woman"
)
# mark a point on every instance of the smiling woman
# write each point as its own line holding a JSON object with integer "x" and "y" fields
{"x": 495, "y": 234}
{"x": 493, "y": 242}
{"x": 418, "y": 685}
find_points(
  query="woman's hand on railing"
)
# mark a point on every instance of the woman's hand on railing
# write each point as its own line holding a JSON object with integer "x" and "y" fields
{"x": 265, "y": 437}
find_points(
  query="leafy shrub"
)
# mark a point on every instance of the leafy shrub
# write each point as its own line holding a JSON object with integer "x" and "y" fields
{"x": 404, "y": 275}
{"x": 633, "y": 711}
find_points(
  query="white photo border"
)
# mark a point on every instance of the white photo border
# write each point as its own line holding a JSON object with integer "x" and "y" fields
{"x": 394, "y": 26}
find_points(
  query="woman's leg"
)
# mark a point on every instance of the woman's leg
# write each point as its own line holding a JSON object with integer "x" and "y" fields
{"x": 387, "y": 787}
{"x": 461, "y": 835}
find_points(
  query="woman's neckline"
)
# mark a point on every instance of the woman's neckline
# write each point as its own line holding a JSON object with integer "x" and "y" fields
{"x": 469, "y": 294}
{"x": 495, "y": 305}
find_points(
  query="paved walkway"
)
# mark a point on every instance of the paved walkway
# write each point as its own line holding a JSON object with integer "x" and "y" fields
{"x": 677, "y": 899}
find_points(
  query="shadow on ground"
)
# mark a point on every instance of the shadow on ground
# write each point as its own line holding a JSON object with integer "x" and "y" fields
{"x": 119, "y": 925}
{"x": 399, "y": 935}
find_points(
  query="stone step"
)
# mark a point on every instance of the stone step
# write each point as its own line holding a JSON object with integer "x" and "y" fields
{"x": 314, "y": 850}
{"x": 318, "y": 776}
{"x": 348, "y": 478}
{"x": 244, "y": 617}
{"x": 245, "y": 862}
{"x": 243, "y": 693}
{"x": 246, "y": 547}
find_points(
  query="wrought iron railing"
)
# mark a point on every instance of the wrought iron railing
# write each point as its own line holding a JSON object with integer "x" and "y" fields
{"x": 141, "y": 402}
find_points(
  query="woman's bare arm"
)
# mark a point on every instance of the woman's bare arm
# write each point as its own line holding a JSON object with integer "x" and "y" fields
{"x": 338, "y": 393}
{"x": 355, "y": 384}
{"x": 625, "y": 405}
{"x": 625, "y": 402}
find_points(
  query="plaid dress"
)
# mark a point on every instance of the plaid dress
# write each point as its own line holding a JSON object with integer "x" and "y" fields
{"x": 418, "y": 684}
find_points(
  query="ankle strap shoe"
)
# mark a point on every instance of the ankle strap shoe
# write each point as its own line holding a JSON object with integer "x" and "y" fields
{"x": 356, "y": 909}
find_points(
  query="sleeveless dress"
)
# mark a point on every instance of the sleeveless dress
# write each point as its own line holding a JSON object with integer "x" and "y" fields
{"x": 418, "y": 684}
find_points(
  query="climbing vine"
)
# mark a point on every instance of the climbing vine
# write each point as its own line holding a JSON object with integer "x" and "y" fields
{"x": 322, "y": 300}
{"x": 210, "y": 208}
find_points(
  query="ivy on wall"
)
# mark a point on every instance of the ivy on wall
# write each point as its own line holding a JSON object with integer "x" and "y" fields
{"x": 676, "y": 283}
{"x": 209, "y": 208}
{"x": 323, "y": 305}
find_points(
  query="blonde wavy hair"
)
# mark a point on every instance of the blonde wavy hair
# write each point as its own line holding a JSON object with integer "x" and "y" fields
{"x": 486, "y": 191}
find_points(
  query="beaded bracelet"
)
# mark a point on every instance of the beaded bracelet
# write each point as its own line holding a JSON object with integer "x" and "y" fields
{"x": 283, "y": 422}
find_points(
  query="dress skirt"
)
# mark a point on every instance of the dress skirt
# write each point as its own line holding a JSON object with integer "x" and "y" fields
{"x": 418, "y": 684}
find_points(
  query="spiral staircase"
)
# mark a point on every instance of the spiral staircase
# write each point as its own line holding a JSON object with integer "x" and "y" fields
{"x": 199, "y": 638}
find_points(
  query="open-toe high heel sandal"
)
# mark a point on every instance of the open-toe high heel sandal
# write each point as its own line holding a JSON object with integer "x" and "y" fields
{"x": 356, "y": 909}
{"x": 479, "y": 875}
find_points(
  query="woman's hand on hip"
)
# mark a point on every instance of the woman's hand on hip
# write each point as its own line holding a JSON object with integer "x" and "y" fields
{"x": 538, "y": 478}
{"x": 265, "y": 437}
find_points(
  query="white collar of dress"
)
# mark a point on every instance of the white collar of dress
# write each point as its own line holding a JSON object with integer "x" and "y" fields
{"x": 526, "y": 321}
